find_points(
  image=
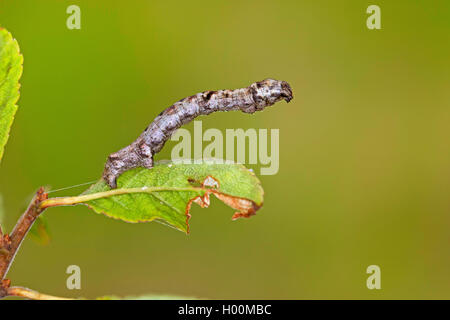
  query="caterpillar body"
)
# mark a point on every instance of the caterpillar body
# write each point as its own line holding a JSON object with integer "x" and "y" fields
{"x": 255, "y": 97}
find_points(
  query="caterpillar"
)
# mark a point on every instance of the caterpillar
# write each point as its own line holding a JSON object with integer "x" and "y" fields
{"x": 255, "y": 97}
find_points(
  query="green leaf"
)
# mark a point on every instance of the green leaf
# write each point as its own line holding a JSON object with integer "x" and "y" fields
{"x": 165, "y": 192}
{"x": 39, "y": 231}
{"x": 10, "y": 72}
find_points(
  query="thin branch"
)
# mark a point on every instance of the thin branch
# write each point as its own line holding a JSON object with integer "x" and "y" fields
{"x": 31, "y": 294}
{"x": 11, "y": 243}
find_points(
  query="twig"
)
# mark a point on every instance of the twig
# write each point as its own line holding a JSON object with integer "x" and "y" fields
{"x": 11, "y": 243}
{"x": 31, "y": 294}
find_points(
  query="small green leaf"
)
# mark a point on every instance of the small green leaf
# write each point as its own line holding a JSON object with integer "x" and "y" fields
{"x": 165, "y": 192}
{"x": 39, "y": 231}
{"x": 10, "y": 72}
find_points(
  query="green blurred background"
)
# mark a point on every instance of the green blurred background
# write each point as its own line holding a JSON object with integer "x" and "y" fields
{"x": 364, "y": 146}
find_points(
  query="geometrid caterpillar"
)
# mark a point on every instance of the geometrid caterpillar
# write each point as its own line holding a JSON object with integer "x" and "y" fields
{"x": 140, "y": 153}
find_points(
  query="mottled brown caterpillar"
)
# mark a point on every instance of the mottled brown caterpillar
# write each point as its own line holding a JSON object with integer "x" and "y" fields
{"x": 140, "y": 153}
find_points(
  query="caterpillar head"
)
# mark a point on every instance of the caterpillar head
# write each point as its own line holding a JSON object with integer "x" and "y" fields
{"x": 269, "y": 91}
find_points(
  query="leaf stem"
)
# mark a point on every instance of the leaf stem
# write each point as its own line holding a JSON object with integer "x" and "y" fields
{"x": 68, "y": 201}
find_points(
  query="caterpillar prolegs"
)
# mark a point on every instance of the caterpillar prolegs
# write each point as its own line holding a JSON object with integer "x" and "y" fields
{"x": 255, "y": 97}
